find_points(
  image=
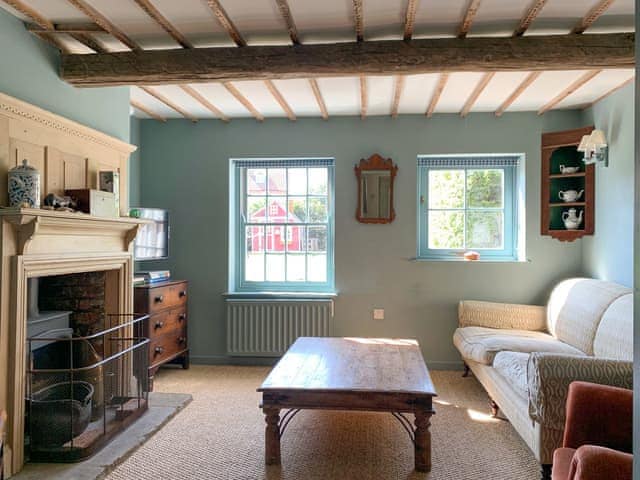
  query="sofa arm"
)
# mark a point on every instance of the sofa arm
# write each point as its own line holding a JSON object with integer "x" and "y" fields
{"x": 549, "y": 376}
{"x": 595, "y": 463}
{"x": 472, "y": 313}
{"x": 599, "y": 415}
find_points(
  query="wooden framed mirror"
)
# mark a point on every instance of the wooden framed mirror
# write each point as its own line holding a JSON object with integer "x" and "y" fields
{"x": 375, "y": 189}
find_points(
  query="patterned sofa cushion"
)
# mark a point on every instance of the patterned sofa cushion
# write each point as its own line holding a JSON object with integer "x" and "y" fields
{"x": 481, "y": 344}
{"x": 513, "y": 367}
{"x": 614, "y": 338}
{"x": 575, "y": 309}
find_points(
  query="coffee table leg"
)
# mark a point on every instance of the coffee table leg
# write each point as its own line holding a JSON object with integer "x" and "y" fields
{"x": 423, "y": 441}
{"x": 272, "y": 436}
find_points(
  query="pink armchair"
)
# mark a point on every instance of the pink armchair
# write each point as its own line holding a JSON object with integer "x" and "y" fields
{"x": 597, "y": 442}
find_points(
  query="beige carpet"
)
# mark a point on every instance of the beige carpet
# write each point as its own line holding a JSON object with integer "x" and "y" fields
{"x": 220, "y": 435}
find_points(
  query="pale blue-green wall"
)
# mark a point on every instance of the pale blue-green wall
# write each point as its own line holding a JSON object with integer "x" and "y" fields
{"x": 185, "y": 169}
{"x": 29, "y": 72}
{"x": 134, "y": 163}
{"x": 608, "y": 254}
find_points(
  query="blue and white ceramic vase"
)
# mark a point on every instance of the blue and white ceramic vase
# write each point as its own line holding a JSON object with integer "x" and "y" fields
{"x": 24, "y": 186}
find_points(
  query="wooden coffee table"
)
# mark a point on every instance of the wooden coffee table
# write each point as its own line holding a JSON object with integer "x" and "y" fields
{"x": 368, "y": 374}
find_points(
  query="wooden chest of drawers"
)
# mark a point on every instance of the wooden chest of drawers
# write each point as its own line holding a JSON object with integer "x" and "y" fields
{"x": 166, "y": 304}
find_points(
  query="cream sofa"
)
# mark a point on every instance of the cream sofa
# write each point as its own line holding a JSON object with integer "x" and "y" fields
{"x": 526, "y": 356}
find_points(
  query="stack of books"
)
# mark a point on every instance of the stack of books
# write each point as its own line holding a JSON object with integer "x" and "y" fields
{"x": 152, "y": 276}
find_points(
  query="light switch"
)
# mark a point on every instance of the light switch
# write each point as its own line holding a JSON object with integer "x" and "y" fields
{"x": 378, "y": 313}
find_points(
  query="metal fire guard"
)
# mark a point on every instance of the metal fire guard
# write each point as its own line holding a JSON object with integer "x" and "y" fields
{"x": 82, "y": 391}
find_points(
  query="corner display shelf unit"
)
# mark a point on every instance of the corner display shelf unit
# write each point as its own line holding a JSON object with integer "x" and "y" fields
{"x": 561, "y": 148}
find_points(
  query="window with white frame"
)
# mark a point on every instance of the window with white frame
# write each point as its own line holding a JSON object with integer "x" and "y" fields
{"x": 468, "y": 202}
{"x": 283, "y": 221}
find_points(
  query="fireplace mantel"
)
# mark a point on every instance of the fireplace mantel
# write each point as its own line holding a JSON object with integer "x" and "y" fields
{"x": 36, "y": 243}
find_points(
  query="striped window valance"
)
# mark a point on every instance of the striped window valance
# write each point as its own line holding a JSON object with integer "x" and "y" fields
{"x": 470, "y": 161}
{"x": 283, "y": 162}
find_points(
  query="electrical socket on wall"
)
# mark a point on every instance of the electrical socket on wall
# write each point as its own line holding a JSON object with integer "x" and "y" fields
{"x": 378, "y": 313}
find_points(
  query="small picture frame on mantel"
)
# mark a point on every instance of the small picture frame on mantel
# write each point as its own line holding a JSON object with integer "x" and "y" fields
{"x": 109, "y": 181}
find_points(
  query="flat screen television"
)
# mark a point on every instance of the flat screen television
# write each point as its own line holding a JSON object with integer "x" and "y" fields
{"x": 152, "y": 240}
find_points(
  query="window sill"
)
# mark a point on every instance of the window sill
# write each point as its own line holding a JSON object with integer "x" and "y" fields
{"x": 280, "y": 295}
{"x": 462, "y": 260}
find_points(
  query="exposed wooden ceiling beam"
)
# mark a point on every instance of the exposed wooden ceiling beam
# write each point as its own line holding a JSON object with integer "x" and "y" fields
{"x": 358, "y": 20}
{"x": 168, "y": 103}
{"x": 437, "y": 93}
{"x": 609, "y": 92}
{"x": 529, "y": 17}
{"x": 285, "y": 11}
{"x": 45, "y": 24}
{"x": 532, "y": 77}
{"x": 592, "y": 16}
{"x": 204, "y": 102}
{"x": 410, "y": 19}
{"x": 569, "y": 90}
{"x": 389, "y": 57}
{"x": 89, "y": 41}
{"x": 104, "y": 22}
{"x": 148, "y": 111}
{"x": 243, "y": 100}
{"x": 280, "y": 99}
{"x": 469, "y": 16}
{"x": 224, "y": 20}
{"x": 161, "y": 20}
{"x": 397, "y": 94}
{"x": 473, "y": 98}
{"x": 363, "y": 97}
{"x": 69, "y": 28}
{"x": 318, "y": 94}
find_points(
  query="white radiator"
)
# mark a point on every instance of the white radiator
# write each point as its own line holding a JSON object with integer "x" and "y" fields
{"x": 267, "y": 328}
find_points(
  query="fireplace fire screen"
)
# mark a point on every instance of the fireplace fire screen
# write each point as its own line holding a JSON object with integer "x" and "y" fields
{"x": 81, "y": 391}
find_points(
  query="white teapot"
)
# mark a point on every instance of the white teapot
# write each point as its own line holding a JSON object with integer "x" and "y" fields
{"x": 564, "y": 169}
{"x": 571, "y": 220}
{"x": 570, "y": 195}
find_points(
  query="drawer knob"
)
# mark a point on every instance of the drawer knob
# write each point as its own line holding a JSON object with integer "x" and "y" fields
{"x": 159, "y": 324}
{"x": 159, "y": 299}
{"x": 183, "y": 293}
{"x": 183, "y": 316}
{"x": 159, "y": 350}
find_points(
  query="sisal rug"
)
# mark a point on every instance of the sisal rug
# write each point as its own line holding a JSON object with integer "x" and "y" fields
{"x": 220, "y": 436}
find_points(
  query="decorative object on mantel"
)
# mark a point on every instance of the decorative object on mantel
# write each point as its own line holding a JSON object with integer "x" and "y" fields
{"x": 110, "y": 182}
{"x": 595, "y": 148}
{"x": 568, "y": 186}
{"x": 24, "y": 186}
{"x": 61, "y": 203}
{"x": 375, "y": 189}
{"x": 95, "y": 202}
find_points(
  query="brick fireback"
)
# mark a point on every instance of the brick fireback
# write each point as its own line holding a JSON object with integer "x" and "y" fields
{"x": 81, "y": 293}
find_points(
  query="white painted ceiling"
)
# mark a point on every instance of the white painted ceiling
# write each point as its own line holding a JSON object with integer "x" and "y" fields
{"x": 323, "y": 21}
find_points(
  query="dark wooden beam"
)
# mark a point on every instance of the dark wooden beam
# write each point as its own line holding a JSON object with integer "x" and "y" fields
{"x": 161, "y": 20}
{"x": 358, "y": 20}
{"x": 469, "y": 16}
{"x": 224, "y": 20}
{"x": 529, "y": 17}
{"x": 389, "y": 57}
{"x": 410, "y": 19}
{"x": 45, "y": 24}
{"x": 69, "y": 28}
{"x": 285, "y": 12}
{"x": 89, "y": 41}
{"x": 592, "y": 15}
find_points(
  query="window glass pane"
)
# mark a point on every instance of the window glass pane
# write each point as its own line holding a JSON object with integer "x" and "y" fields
{"x": 256, "y": 211}
{"x": 256, "y": 181}
{"x": 318, "y": 181}
{"x": 446, "y": 229}
{"x": 317, "y": 239}
{"x": 277, "y": 181}
{"x": 485, "y": 188}
{"x": 295, "y": 268}
{"x": 317, "y": 210}
{"x": 297, "y": 181}
{"x": 297, "y": 209}
{"x": 296, "y": 239}
{"x": 275, "y": 268}
{"x": 446, "y": 189}
{"x": 277, "y": 211}
{"x": 484, "y": 229}
{"x": 276, "y": 237}
{"x": 316, "y": 268}
{"x": 254, "y": 258}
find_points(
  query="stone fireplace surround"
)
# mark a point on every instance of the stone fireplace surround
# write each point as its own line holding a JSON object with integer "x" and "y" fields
{"x": 43, "y": 243}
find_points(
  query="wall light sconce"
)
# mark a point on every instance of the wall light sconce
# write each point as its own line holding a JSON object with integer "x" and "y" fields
{"x": 595, "y": 148}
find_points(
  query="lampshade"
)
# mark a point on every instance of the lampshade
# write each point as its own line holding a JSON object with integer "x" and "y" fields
{"x": 597, "y": 139}
{"x": 583, "y": 147}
